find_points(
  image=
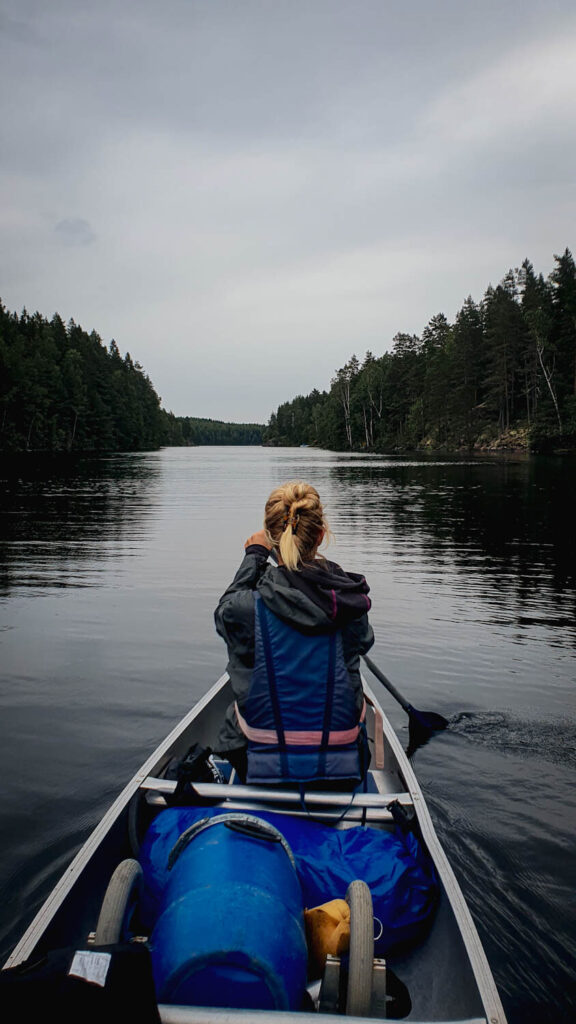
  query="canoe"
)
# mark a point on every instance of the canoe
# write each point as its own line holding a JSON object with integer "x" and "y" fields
{"x": 446, "y": 972}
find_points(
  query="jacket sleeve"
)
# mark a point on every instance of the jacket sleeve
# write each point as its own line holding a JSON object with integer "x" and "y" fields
{"x": 357, "y": 639}
{"x": 234, "y": 616}
{"x": 251, "y": 568}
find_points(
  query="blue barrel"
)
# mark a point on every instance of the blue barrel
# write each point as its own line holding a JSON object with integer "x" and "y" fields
{"x": 231, "y": 930}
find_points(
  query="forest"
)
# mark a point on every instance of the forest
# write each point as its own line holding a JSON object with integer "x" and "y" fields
{"x": 193, "y": 430}
{"x": 503, "y": 374}
{"x": 63, "y": 390}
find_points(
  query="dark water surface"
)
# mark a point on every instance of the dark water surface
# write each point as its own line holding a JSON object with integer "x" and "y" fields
{"x": 109, "y": 572}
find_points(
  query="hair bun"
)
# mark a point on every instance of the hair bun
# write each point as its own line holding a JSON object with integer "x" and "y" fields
{"x": 294, "y": 519}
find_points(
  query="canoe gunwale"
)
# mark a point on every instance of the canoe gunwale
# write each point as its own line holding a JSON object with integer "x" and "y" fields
{"x": 203, "y": 1015}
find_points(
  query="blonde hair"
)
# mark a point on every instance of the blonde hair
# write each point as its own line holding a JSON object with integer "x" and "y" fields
{"x": 295, "y": 523}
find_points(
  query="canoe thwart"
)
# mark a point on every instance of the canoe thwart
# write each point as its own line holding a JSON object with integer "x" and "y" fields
{"x": 315, "y": 798}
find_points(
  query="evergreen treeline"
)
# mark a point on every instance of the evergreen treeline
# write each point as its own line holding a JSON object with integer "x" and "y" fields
{"x": 193, "y": 430}
{"x": 505, "y": 369}
{"x": 61, "y": 389}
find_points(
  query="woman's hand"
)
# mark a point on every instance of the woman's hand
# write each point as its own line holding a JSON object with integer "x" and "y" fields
{"x": 259, "y": 538}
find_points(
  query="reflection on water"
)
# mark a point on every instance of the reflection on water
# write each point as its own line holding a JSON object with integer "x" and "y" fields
{"x": 510, "y": 526}
{"x": 110, "y": 570}
{"x": 62, "y": 516}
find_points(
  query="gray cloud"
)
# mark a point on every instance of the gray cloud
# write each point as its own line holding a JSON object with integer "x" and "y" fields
{"x": 75, "y": 231}
{"x": 277, "y": 185}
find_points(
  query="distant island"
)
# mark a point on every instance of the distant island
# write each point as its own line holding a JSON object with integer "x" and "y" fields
{"x": 63, "y": 390}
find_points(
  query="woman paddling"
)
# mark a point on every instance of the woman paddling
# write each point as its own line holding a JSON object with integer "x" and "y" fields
{"x": 294, "y": 632}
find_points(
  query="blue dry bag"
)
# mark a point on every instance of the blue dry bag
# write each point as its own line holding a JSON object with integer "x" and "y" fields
{"x": 398, "y": 871}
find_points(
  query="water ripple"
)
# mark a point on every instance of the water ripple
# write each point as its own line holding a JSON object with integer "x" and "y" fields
{"x": 554, "y": 742}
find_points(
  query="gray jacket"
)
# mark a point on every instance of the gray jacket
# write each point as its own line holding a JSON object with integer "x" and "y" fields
{"x": 320, "y": 598}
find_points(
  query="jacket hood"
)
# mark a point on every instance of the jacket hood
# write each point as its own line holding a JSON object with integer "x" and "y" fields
{"x": 317, "y": 598}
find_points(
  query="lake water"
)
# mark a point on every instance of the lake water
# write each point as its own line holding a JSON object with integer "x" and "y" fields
{"x": 110, "y": 571}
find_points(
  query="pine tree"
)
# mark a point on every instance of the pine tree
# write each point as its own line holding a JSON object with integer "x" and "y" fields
{"x": 467, "y": 357}
{"x": 563, "y": 334}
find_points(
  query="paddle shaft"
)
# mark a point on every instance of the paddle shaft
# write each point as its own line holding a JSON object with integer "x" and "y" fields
{"x": 389, "y": 686}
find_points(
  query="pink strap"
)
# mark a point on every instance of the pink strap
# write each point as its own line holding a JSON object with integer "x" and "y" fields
{"x": 300, "y": 738}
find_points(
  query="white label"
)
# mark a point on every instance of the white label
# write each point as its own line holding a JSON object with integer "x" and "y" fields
{"x": 90, "y": 966}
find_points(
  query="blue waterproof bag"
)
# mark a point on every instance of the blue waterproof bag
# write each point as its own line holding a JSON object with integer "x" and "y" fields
{"x": 398, "y": 871}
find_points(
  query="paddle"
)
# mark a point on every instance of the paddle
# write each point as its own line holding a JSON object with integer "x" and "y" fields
{"x": 424, "y": 721}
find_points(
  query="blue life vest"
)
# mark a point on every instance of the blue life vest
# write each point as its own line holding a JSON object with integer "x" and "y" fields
{"x": 300, "y": 716}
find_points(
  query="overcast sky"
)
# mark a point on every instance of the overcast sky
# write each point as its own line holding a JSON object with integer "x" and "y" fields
{"x": 243, "y": 193}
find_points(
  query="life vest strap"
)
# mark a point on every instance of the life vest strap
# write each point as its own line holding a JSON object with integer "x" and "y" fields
{"x": 300, "y": 737}
{"x": 272, "y": 683}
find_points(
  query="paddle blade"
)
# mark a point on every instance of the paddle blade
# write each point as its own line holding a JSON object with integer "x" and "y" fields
{"x": 427, "y": 720}
{"x": 421, "y": 727}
